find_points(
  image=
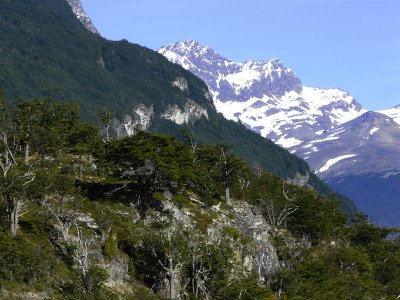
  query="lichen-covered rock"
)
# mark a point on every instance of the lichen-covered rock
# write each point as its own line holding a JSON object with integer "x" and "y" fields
{"x": 117, "y": 271}
{"x": 241, "y": 225}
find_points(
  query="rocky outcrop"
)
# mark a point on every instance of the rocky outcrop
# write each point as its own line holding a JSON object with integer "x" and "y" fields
{"x": 78, "y": 10}
{"x": 261, "y": 256}
{"x": 191, "y": 112}
{"x": 181, "y": 83}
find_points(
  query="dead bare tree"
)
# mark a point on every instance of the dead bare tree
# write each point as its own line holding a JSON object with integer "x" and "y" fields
{"x": 65, "y": 218}
{"x": 277, "y": 211}
{"x": 199, "y": 276}
{"x": 172, "y": 261}
{"x": 81, "y": 256}
{"x": 15, "y": 181}
{"x": 257, "y": 170}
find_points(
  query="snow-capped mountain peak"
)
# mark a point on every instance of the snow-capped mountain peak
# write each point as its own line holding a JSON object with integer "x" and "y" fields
{"x": 266, "y": 96}
{"x": 229, "y": 80}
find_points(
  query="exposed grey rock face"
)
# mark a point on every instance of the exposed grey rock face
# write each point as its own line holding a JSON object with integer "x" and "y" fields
{"x": 117, "y": 270}
{"x": 190, "y": 113}
{"x": 140, "y": 119}
{"x": 249, "y": 221}
{"x": 257, "y": 255}
{"x": 78, "y": 10}
{"x": 181, "y": 83}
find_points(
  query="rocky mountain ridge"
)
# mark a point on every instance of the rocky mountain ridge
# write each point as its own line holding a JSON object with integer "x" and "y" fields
{"x": 266, "y": 96}
{"x": 78, "y": 10}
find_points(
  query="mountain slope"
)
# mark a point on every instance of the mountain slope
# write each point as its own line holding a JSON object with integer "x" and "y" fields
{"x": 47, "y": 52}
{"x": 360, "y": 160}
{"x": 146, "y": 216}
{"x": 367, "y": 144}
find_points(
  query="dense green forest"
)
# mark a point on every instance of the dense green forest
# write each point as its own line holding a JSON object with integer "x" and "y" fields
{"x": 83, "y": 216}
{"x": 47, "y": 52}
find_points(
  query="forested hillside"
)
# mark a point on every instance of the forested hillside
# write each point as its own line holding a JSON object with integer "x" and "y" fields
{"x": 47, "y": 52}
{"x": 84, "y": 216}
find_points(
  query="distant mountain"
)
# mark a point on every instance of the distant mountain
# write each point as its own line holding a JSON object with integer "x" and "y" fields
{"x": 367, "y": 144}
{"x": 341, "y": 141}
{"x": 363, "y": 164}
{"x": 78, "y": 10}
{"x": 266, "y": 97}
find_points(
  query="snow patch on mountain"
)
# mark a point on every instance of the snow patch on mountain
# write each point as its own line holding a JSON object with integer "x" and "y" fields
{"x": 333, "y": 161}
{"x": 373, "y": 130}
{"x": 393, "y": 113}
{"x": 320, "y": 125}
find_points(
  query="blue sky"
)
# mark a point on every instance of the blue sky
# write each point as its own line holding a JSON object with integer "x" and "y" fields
{"x": 350, "y": 44}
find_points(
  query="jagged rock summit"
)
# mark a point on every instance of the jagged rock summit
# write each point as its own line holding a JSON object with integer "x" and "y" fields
{"x": 78, "y": 10}
{"x": 266, "y": 96}
{"x": 230, "y": 80}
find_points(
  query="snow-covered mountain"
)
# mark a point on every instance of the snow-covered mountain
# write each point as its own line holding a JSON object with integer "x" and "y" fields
{"x": 356, "y": 151}
{"x": 367, "y": 144}
{"x": 78, "y": 10}
{"x": 394, "y": 113}
{"x": 266, "y": 96}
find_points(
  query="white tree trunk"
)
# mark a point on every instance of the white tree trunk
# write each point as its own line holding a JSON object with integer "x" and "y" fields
{"x": 26, "y": 160}
{"x": 227, "y": 196}
{"x": 16, "y": 211}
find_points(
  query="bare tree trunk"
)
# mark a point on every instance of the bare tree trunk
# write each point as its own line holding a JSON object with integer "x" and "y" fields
{"x": 81, "y": 256}
{"x": 171, "y": 279}
{"x": 227, "y": 196}
{"x": 15, "y": 212}
{"x": 193, "y": 271}
{"x": 26, "y": 160}
{"x": 14, "y": 223}
{"x": 107, "y": 132}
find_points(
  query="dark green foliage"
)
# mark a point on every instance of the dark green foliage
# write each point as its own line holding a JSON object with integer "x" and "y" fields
{"x": 246, "y": 289}
{"x": 56, "y": 121}
{"x": 312, "y": 214}
{"x": 112, "y": 195}
{"x": 47, "y": 52}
